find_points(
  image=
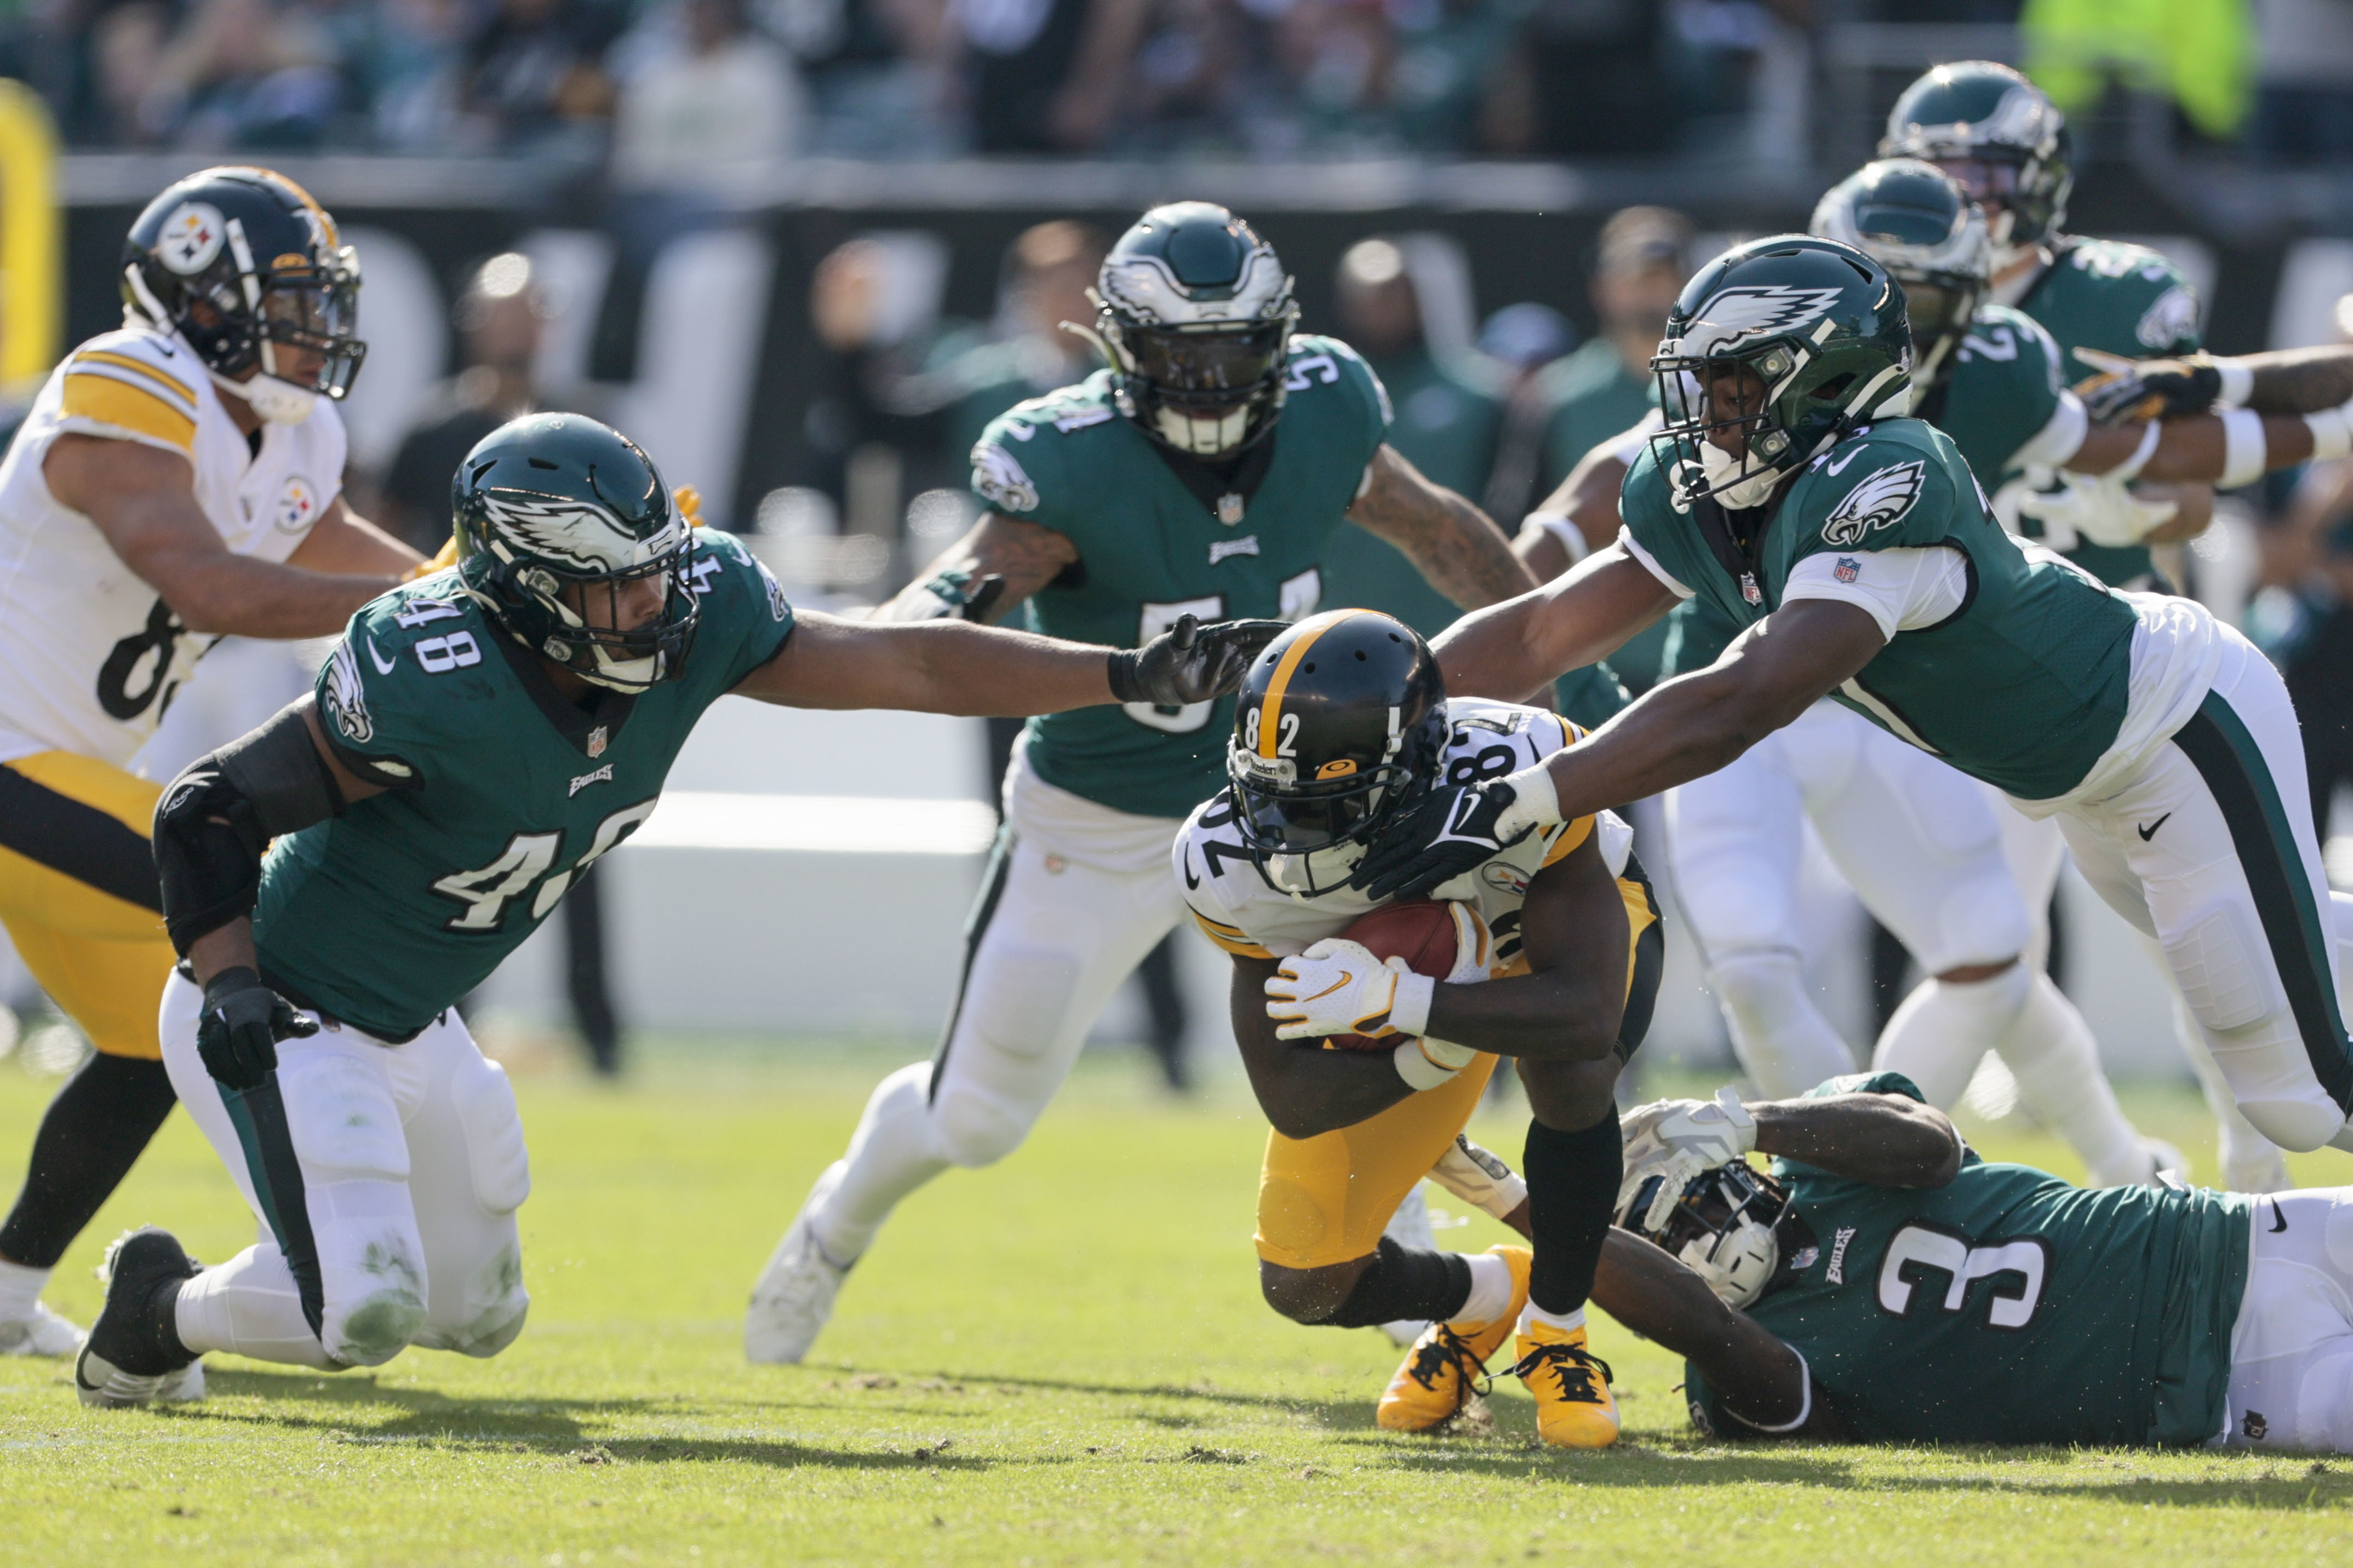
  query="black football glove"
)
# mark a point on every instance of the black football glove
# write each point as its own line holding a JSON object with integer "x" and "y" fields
{"x": 241, "y": 1024}
{"x": 2126, "y": 390}
{"x": 1444, "y": 834}
{"x": 1190, "y": 662}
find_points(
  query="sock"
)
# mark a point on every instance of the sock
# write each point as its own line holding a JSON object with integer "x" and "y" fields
{"x": 1943, "y": 1029}
{"x": 1565, "y": 1321}
{"x": 2251, "y": 1162}
{"x": 2049, "y": 1049}
{"x": 1572, "y": 1187}
{"x": 92, "y": 1133}
{"x": 20, "y": 1288}
{"x": 1782, "y": 1039}
{"x": 1403, "y": 1282}
{"x": 249, "y": 1306}
{"x": 890, "y": 1155}
{"x": 1491, "y": 1289}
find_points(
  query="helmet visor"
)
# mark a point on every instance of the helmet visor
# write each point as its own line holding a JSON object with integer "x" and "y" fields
{"x": 1991, "y": 182}
{"x": 1207, "y": 369}
{"x": 309, "y": 325}
{"x": 1301, "y": 818}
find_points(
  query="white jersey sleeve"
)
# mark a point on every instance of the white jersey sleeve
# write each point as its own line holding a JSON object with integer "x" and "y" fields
{"x": 132, "y": 387}
{"x": 1904, "y": 590}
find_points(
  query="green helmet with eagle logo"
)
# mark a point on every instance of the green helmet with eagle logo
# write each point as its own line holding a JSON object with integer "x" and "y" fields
{"x": 1998, "y": 134}
{"x": 552, "y": 509}
{"x": 1817, "y": 323}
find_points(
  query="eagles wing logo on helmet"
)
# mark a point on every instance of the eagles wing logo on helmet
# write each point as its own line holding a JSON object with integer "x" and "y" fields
{"x": 2023, "y": 117}
{"x": 1754, "y": 310}
{"x": 550, "y": 528}
{"x": 1146, "y": 288}
{"x": 1880, "y": 500}
{"x": 998, "y": 475}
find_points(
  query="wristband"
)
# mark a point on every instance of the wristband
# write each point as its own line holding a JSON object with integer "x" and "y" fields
{"x": 2332, "y": 433}
{"x": 236, "y": 977}
{"x": 1562, "y": 528}
{"x": 2238, "y": 383}
{"x": 2129, "y": 469}
{"x": 2244, "y": 449}
{"x": 1409, "y": 1003}
{"x": 1535, "y": 802}
{"x": 1426, "y": 1064}
{"x": 1120, "y": 668}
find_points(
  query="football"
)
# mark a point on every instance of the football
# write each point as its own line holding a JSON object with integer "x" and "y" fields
{"x": 1420, "y": 931}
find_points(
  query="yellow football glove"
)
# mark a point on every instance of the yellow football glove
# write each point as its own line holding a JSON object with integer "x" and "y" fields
{"x": 690, "y": 504}
{"x": 445, "y": 556}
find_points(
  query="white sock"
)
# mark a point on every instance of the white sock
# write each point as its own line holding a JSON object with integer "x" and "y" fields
{"x": 1943, "y": 1028}
{"x": 1491, "y": 1289}
{"x": 250, "y": 1305}
{"x": 2049, "y": 1049}
{"x": 20, "y": 1288}
{"x": 1782, "y": 1039}
{"x": 1532, "y": 1314}
{"x": 890, "y": 1155}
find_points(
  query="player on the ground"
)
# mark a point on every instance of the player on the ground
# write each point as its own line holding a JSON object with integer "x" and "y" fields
{"x": 1884, "y": 1284}
{"x": 1341, "y": 723}
{"x": 177, "y": 481}
{"x": 1202, "y": 472}
{"x": 478, "y": 740}
{"x": 1859, "y": 552}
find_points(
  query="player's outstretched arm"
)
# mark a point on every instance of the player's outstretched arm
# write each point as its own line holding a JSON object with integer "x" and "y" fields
{"x": 1883, "y": 1140}
{"x": 1305, "y": 1089}
{"x": 954, "y": 667}
{"x": 342, "y": 542}
{"x": 1457, "y": 548}
{"x": 1754, "y": 1374}
{"x": 985, "y": 575}
{"x": 1581, "y": 511}
{"x": 142, "y": 500}
{"x": 2284, "y": 381}
{"x": 1570, "y": 1003}
{"x": 1518, "y": 647}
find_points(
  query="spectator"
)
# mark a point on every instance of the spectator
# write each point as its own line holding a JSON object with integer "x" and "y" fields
{"x": 531, "y": 77}
{"x": 1048, "y": 273}
{"x": 408, "y": 66}
{"x": 701, "y": 121}
{"x": 127, "y": 49}
{"x": 242, "y": 73}
{"x": 1590, "y": 82}
{"x": 1447, "y": 416}
{"x": 878, "y": 70}
{"x": 1048, "y": 75}
{"x": 2303, "y": 91}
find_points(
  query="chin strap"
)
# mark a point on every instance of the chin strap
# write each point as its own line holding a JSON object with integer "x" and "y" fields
{"x": 279, "y": 402}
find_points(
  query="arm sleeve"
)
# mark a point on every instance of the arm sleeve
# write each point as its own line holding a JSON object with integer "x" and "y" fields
{"x": 1650, "y": 562}
{"x": 119, "y": 387}
{"x": 2060, "y": 438}
{"x": 366, "y": 726}
{"x": 744, "y": 613}
{"x": 1904, "y": 590}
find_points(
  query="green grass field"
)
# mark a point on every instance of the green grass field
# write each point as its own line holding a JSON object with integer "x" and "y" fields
{"x": 1061, "y": 1360}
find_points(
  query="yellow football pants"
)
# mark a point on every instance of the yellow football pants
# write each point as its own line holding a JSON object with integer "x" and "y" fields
{"x": 78, "y": 896}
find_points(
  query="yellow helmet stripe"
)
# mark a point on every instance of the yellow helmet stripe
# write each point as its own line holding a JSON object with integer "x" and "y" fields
{"x": 1270, "y": 716}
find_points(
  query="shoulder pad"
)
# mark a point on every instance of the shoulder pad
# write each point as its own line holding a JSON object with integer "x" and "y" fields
{"x": 140, "y": 382}
{"x": 1316, "y": 361}
{"x": 1865, "y": 489}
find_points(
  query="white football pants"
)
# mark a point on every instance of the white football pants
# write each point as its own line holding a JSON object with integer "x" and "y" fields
{"x": 1921, "y": 846}
{"x": 412, "y": 1166}
{"x": 1075, "y": 895}
{"x": 2292, "y": 1348}
{"x": 2208, "y": 848}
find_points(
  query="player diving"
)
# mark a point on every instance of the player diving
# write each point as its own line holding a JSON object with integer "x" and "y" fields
{"x": 1855, "y": 550}
{"x": 176, "y": 480}
{"x": 1884, "y": 1284}
{"x": 1202, "y": 471}
{"x": 1341, "y": 723}
{"x": 334, "y": 880}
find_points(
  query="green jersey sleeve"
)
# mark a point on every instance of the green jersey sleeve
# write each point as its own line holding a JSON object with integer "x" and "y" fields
{"x": 744, "y": 616}
{"x": 382, "y": 716}
{"x": 1337, "y": 373}
{"x": 1026, "y": 464}
{"x": 2120, "y": 299}
{"x": 2004, "y": 394}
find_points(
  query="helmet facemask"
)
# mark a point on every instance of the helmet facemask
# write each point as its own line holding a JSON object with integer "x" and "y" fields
{"x": 1287, "y": 822}
{"x": 1726, "y": 1228}
{"x": 1728, "y": 395}
{"x": 600, "y": 650}
{"x": 1207, "y": 390}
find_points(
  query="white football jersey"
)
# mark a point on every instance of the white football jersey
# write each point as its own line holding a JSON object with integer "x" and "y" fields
{"x": 1242, "y": 907}
{"x": 89, "y": 654}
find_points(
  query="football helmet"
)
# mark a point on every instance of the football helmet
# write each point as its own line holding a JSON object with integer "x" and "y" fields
{"x": 552, "y": 506}
{"x": 1340, "y": 721}
{"x": 1807, "y": 335}
{"x": 1194, "y": 312}
{"x": 2001, "y": 137}
{"x": 249, "y": 271}
{"x": 1726, "y": 1228}
{"x": 1915, "y": 220}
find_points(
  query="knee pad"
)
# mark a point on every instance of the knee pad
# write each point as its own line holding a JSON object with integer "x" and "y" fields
{"x": 500, "y": 1165}
{"x": 1759, "y": 989}
{"x": 992, "y": 1084}
{"x": 342, "y": 1117}
{"x": 2214, "y": 958}
{"x": 973, "y": 1127}
{"x": 375, "y": 1328}
{"x": 1983, "y": 920}
{"x": 1016, "y": 1000}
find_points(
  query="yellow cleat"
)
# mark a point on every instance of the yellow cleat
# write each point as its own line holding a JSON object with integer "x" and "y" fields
{"x": 1571, "y": 1384}
{"x": 1447, "y": 1364}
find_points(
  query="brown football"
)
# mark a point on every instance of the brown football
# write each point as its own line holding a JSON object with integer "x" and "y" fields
{"x": 1420, "y": 931}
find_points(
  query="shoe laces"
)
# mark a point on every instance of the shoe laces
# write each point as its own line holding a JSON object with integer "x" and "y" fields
{"x": 1441, "y": 1349}
{"x": 1581, "y": 1374}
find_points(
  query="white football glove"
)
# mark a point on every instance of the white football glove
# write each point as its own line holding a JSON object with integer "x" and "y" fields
{"x": 2101, "y": 509}
{"x": 1678, "y": 1140}
{"x": 1338, "y": 987}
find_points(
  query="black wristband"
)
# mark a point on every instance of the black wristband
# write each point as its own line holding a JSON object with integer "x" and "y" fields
{"x": 236, "y": 977}
{"x": 1120, "y": 667}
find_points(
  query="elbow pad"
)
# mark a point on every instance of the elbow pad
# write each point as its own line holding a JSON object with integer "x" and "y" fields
{"x": 217, "y": 819}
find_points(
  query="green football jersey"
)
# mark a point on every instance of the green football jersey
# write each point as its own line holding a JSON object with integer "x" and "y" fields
{"x": 2121, "y": 300}
{"x": 2023, "y": 685}
{"x": 503, "y": 790}
{"x": 1150, "y": 550}
{"x": 2006, "y": 1306}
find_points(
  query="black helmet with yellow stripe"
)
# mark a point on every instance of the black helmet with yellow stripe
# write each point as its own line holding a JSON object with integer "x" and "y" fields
{"x": 1339, "y": 723}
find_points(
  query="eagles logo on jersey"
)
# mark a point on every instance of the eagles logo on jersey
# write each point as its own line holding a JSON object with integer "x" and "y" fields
{"x": 1879, "y": 501}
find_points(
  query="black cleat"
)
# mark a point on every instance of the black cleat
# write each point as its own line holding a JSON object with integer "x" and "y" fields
{"x": 134, "y": 1355}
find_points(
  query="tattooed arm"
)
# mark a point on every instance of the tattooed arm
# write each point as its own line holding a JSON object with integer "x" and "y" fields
{"x": 1457, "y": 547}
{"x": 987, "y": 574}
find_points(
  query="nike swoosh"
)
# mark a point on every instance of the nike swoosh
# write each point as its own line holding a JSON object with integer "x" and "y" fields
{"x": 383, "y": 664}
{"x": 1839, "y": 466}
{"x": 1344, "y": 978}
{"x": 2151, "y": 831}
{"x": 1190, "y": 879}
{"x": 2279, "y": 1220}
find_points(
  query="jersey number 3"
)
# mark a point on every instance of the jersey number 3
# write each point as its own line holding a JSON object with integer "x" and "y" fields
{"x": 1917, "y": 1249}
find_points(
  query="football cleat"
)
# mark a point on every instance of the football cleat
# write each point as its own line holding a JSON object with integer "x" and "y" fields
{"x": 1449, "y": 1362}
{"x": 794, "y": 1296}
{"x": 43, "y": 1333}
{"x": 1575, "y": 1409}
{"x": 1410, "y": 1228}
{"x": 130, "y": 1359}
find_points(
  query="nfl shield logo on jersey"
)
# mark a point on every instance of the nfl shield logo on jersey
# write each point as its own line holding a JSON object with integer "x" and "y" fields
{"x": 1847, "y": 569}
{"x": 598, "y": 741}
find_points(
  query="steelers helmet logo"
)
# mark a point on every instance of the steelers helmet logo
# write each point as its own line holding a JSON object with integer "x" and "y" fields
{"x": 297, "y": 504}
{"x": 191, "y": 238}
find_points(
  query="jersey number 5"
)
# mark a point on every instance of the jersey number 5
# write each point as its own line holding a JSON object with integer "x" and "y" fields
{"x": 486, "y": 891}
{"x": 1917, "y": 1250}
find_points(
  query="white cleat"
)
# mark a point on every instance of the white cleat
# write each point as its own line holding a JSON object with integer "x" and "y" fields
{"x": 42, "y": 1333}
{"x": 2254, "y": 1166}
{"x": 185, "y": 1386}
{"x": 2168, "y": 1167}
{"x": 1409, "y": 1227}
{"x": 793, "y": 1299}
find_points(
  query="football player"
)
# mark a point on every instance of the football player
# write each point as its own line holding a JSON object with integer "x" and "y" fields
{"x": 1340, "y": 724}
{"x": 1202, "y": 472}
{"x": 337, "y": 878}
{"x": 1855, "y": 548}
{"x": 1884, "y": 1284}
{"x": 177, "y": 481}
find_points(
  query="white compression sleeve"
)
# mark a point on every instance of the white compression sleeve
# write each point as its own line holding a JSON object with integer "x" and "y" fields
{"x": 1943, "y": 1030}
{"x": 2049, "y": 1049}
